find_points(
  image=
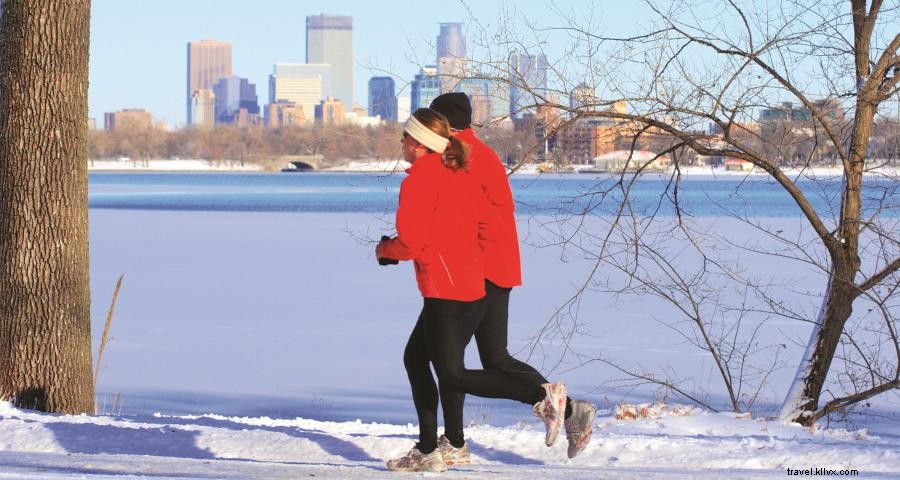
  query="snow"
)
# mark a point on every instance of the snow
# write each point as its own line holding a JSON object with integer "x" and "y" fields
{"x": 702, "y": 445}
{"x": 196, "y": 165}
{"x": 179, "y": 165}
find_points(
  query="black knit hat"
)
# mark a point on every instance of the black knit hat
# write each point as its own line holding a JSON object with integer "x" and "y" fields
{"x": 456, "y": 107}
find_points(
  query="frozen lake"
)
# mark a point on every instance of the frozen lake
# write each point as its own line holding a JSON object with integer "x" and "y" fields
{"x": 257, "y": 295}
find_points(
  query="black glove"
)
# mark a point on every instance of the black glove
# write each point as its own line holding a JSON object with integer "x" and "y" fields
{"x": 387, "y": 261}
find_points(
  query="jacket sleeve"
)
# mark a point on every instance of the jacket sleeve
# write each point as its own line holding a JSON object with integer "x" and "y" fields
{"x": 416, "y": 210}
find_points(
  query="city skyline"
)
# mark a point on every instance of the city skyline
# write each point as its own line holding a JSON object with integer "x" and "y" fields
{"x": 150, "y": 64}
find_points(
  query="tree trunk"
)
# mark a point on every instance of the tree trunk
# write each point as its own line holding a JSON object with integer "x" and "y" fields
{"x": 45, "y": 338}
{"x": 802, "y": 400}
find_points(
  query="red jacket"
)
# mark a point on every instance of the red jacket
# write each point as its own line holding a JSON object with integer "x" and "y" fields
{"x": 437, "y": 228}
{"x": 497, "y": 232}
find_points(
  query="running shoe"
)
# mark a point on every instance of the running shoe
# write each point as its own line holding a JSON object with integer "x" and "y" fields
{"x": 416, "y": 461}
{"x": 579, "y": 426}
{"x": 451, "y": 454}
{"x": 552, "y": 410}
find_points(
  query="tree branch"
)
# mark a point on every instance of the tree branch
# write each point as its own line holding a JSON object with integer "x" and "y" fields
{"x": 878, "y": 277}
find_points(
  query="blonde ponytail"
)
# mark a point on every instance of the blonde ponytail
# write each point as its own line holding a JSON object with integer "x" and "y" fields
{"x": 456, "y": 156}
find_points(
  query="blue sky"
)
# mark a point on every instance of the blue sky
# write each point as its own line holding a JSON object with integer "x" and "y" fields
{"x": 138, "y": 47}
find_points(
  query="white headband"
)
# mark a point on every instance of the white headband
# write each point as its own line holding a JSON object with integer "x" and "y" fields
{"x": 425, "y": 136}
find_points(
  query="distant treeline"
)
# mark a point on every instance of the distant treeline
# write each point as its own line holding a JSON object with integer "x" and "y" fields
{"x": 335, "y": 143}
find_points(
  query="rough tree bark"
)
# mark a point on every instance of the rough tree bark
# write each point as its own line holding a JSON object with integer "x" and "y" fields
{"x": 45, "y": 339}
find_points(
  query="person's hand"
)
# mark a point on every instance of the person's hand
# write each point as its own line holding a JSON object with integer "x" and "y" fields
{"x": 384, "y": 260}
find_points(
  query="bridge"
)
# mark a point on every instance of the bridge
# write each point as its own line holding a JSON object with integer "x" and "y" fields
{"x": 300, "y": 162}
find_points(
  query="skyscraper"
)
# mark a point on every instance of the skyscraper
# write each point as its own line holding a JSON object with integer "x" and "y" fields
{"x": 329, "y": 40}
{"x": 489, "y": 98}
{"x": 527, "y": 79}
{"x": 302, "y": 83}
{"x": 232, "y": 94}
{"x": 203, "y": 108}
{"x": 425, "y": 87}
{"x": 451, "y": 56}
{"x": 382, "y": 100}
{"x": 207, "y": 62}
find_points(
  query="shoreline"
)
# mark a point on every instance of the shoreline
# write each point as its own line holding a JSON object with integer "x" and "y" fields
{"x": 398, "y": 166}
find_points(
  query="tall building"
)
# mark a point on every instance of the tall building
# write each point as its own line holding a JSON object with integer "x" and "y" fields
{"x": 527, "y": 79}
{"x": 330, "y": 112}
{"x": 489, "y": 98}
{"x": 425, "y": 87}
{"x": 128, "y": 119}
{"x": 232, "y": 96}
{"x": 208, "y": 61}
{"x": 203, "y": 108}
{"x": 451, "y": 56}
{"x": 329, "y": 40}
{"x": 382, "y": 100}
{"x": 302, "y": 83}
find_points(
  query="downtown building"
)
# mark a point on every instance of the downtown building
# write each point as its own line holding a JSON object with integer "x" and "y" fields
{"x": 527, "y": 81}
{"x": 489, "y": 99}
{"x": 451, "y": 56}
{"x": 382, "y": 98}
{"x": 127, "y": 119}
{"x": 302, "y": 84}
{"x": 208, "y": 61}
{"x": 330, "y": 112}
{"x": 236, "y": 102}
{"x": 329, "y": 41}
{"x": 425, "y": 87}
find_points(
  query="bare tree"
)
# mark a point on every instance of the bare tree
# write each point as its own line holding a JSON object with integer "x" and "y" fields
{"x": 816, "y": 76}
{"x": 45, "y": 335}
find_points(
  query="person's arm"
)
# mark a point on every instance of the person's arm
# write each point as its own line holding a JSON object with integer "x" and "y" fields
{"x": 416, "y": 210}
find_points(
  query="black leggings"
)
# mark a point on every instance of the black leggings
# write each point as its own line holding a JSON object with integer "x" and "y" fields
{"x": 440, "y": 336}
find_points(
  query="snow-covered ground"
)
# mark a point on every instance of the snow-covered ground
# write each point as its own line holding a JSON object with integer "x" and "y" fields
{"x": 699, "y": 445}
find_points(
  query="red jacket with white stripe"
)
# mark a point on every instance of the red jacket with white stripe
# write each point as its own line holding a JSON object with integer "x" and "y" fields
{"x": 497, "y": 231}
{"x": 437, "y": 228}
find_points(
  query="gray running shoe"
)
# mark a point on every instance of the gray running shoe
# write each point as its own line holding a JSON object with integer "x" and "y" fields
{"x": 416, "y": 461}
{"x": 579, "y": 426}
{"x": 552, "y": 410}
{"x": 453, "y": 455}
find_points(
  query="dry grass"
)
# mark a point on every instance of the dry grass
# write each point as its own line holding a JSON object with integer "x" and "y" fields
{"x": 105, "y": 338}
{"x": 628, "y": 411}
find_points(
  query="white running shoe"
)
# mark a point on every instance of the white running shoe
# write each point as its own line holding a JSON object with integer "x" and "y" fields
{"x": 416, "y": 461}
{"x": 453, "y": 455}
{"x": 579, "y": 426}
{"x": 552, "y": 410}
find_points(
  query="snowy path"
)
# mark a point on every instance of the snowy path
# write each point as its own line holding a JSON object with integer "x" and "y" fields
{"x": 34, "y": 445}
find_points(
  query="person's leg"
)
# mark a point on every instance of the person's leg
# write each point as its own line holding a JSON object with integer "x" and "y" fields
{"x": 492, "y": 340}
{"x": 424, "y": 389}
{"x": 452, "y": 402}
{"x": 446, "y": 338}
